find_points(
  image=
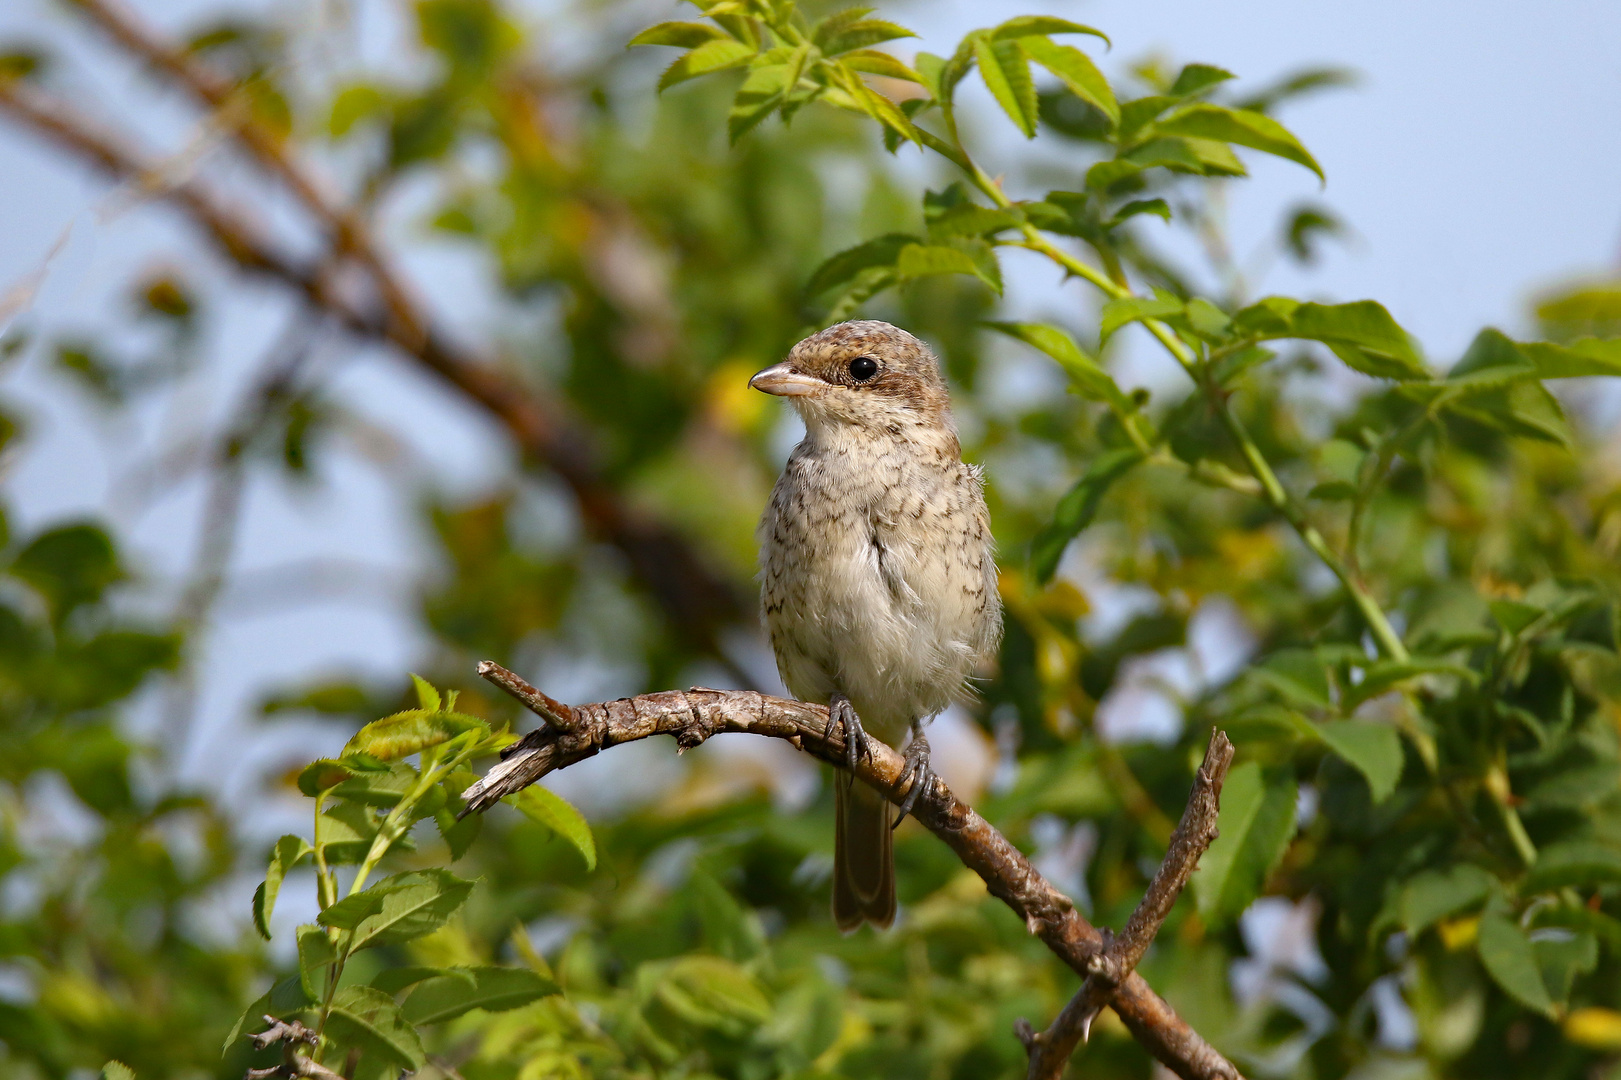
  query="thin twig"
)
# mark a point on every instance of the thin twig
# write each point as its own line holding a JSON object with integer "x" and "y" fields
{"x": 692, "y": 716}
{"x": 291, "y": 1034}
{"x": 1050, "y": 1050}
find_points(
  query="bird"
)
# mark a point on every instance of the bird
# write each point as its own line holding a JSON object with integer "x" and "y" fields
{"x": 877, "y": 573}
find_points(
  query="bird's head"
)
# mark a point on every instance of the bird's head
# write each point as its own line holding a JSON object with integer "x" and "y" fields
{"x": 867, "y": 374}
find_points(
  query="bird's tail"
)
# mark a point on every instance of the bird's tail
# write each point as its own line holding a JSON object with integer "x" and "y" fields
{"x": 863, "y": 857}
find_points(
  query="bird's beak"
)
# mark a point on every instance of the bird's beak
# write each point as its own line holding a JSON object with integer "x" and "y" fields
{"x": 783, "y": 381}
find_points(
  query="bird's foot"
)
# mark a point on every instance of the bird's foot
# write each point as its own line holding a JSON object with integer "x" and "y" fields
{"x": 842, "y": 715}
{"x": 918, "y": 771}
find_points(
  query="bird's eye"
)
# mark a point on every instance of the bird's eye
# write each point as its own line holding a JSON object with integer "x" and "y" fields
{"x": 863, "y": 368}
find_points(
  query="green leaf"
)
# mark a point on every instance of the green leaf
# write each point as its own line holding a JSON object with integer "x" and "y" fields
{"x": 1024, "y": 26}
{"x": 1077, "y": 72}
{"x": 859, "y": 34}
{"x": 1117, "y": 313}
{"x": 393, "y": 980}
{"x": 322, "y": 775}
{"x": 1509, "y": 959}
{"x": 352, "y": 910}
{"x": 1297, "y": 674}
{"x": 545, "y": 806}
{"x": 1257, "y": 821}
{"x": 283, "y": 857}
{"x": 1514, "y": 616}
{"x": 838, "y": 269}
{"x": 346, "y": 833}
{"x": 427, "y": 697}
{"x": 117, "y": 1070}
{"x": 952, "y": 213}
{"x": 1361, "y": 333}
{"x": 1300, "y": 82}
{"x": 1252, "y": 129}
{"x": 379, "y": 788}
{"x": 1433, "y": 895}
{"x": 70, "y": 566}
{"x": 1589, "y": 356}
{"x": 881, "y": 109}
{"x": 1373, "y": 749}
{"x": 458, "y": 835}
{"x": 683, "y": 35}
{"x": 352, "y": 105}
{"x": 756, "y": 99}
{"x": 929, "y": 260}
{"x": 931, "y": 69}
{"x": 1201, "y": 157}
{"x": 874, "y": 62}
{"x": 1158, "y": 207}
{"x": 954, "y": 70}
{"x": 1136, "y": 113}
{"x": 494, "y": 989}
{"x": 1006, "y": 71}
{"x": 284, "y": 999}
{"x": 316, "y": 955}
{"x": 1089, "y": 378}
{"x": 1561, "y": 956}
{"x": 1206, "y": 319}
{"x": 368, "y": 1019}
{"x": 1077, "y": 508}
{"x": 709, "y": 57}
{"x": 410, "y": 732}
{"x": 710, "y": 992}
{"x": 414, "y": 904}
{"x": 1574, "y": 863}
{"x": 1526, "y": 410}
{"x": 1197, "y": 78}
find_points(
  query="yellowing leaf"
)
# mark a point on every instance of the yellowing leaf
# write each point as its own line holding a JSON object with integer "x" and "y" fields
{"x": 1594, "y": 1027}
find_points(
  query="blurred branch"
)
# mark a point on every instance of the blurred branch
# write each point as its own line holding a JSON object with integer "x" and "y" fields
{"x": 696, "y": 601}
{"x": 573, "y": 733}
{"x": 346, "y": 231}
{"x": 223, "y": 503}
{"x": 1051, "y": 1049}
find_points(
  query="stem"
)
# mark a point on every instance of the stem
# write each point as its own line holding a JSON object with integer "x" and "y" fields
{"x": 1383, "y": 456}
{"x": 326, "y": 886}
{"x": 1390, "y": 642}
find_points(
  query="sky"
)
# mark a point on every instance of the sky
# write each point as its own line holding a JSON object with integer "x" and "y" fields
{"x": 1476, "y": 162}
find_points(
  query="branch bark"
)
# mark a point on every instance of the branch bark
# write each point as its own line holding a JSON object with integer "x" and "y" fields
{"x": 573, "y": 733}
{"x": 1050, "y": 1050}
{"x": 695, "y": 600}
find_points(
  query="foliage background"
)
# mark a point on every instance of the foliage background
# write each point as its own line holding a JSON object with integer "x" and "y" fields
{"x": 647, "y": 303}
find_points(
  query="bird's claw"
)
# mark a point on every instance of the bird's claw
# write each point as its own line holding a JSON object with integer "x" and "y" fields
{"x": 918, "y": 771}
{"x": 842, "y": 715}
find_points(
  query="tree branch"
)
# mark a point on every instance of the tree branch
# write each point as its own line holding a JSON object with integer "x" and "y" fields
{"x": 694, "y": 599}
{"x": 1050, "y": 1050}
{"x": 573, "y": 733}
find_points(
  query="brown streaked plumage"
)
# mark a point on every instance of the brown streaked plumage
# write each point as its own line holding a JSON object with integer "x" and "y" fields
{"x": 878, "y": 581}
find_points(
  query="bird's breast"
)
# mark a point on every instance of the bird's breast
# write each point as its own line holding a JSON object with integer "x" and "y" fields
{"x": 878, "y": 579}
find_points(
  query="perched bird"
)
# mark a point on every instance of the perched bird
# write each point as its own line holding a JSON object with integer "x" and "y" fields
{"x": 878, "y": 577}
